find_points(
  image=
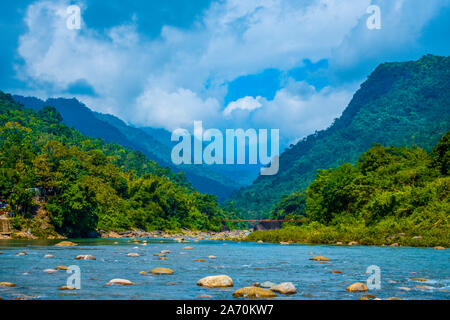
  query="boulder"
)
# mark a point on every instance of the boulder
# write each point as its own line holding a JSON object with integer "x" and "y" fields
{"x": 50, "y": 271}
{"x": 254, "y": 292}
{"x": 85, "y": 257}
{"x": 418, "y": 279}
{"x": 439, "y": 248}
{"x": 133, "y": 254}
{"x": 159, "y": 254}
{"x": 285, "y": 288}
{"x": 267, "y": 284}
{"x": 123, "y": 282}
{"x": 336, "y": 271}
{"x": 165, "y": 251}
{"x": 49, "y": 256}
{"x": 319, "y": 258}
{"x": 7, "y": 284}
{"x": 357, "y": 287}
{"x": 199, "y": 260}
{"x": 62, "y": 268}
{"x": 394, "y": 245}
{"x": 220, "y": 281}
{"x": 425, "y": 287}
{"x": 353, "y": 243}
{"x": 66, "y": 288}
{"x": 417, "y": 237}
{"x": 66, "y": 244}
{"x": 188, "y": 248}
{"x": 161, "y": 271}
{"x": 404, "y": 288}
{"x": 21, "y": 253}
{"x": 212, "y": 257}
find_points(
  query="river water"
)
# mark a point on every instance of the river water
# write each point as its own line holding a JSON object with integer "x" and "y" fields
{"x": 244, "y": 262}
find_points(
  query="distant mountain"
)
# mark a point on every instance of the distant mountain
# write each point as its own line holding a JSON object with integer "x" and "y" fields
{"x": 400, "y": 104}
{"x": 148, "y": 141}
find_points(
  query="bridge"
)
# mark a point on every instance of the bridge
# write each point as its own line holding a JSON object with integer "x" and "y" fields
{"x": 246, "y": 220}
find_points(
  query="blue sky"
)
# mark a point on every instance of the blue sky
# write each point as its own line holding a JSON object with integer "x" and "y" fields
{"x": 292, "y": 65}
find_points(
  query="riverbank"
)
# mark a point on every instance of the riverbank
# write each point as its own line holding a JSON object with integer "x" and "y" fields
{"x": 179, "y": 236}
{"x": 354, "y": 235}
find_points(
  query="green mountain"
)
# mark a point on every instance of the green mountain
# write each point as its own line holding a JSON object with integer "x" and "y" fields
{"x": 390, "y": 196}
{"x": 154, "y": 143}
{"x": 81, "y": 184}
{"x": 400, "y": 104}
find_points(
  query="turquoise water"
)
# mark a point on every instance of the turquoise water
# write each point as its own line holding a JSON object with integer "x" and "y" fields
{"x": 245, "y": 263}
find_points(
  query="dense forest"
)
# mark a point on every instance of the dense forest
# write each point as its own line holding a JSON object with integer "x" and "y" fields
{"x": 400, "y": 104}
{"x": 391, "y": 195}
{"x": 83, "y": 184}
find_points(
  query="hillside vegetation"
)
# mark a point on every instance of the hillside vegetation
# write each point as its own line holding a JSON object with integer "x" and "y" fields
{"x": 86, "y": 184}
{"x": 155, "y": 144}
{"x": 400, "y": 104}
{"x": 391, "y": 195}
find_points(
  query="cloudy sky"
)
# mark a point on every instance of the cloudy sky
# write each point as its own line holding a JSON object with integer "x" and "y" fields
{"x": 287, "y": 64}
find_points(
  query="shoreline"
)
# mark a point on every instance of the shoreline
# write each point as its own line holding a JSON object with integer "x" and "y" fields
{"x": 186, "y": 236}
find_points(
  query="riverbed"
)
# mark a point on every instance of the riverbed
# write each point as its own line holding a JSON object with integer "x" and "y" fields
{"x": 245, "y": 262}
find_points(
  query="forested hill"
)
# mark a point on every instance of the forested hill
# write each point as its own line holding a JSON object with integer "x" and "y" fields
{"x": 112, "y": 129}
{"x": 400, "y": 104}
{"x": 86, "y": 184}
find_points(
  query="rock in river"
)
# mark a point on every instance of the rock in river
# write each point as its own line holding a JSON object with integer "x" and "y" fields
{"x": 254, "y": 292}
{"x": 336, "y": 271}
{"x": 133, "y": 254}
{"x": 356, "y": 287}
{"x": 439, "y": 248}
{"x": 66, "y": 288}
{"x": 62, "y": 268}
{"x": 161, "y": 271}
{"x": 49, "y": 271}
{"x": 319, "y": 258}
{"x": 188, "y": 248}
{"x": 66, "y": 244}
{"x": 85, "y": 257}
{"x": 220, "y": 281}
{"x": 49, "y": 256}
{"x": 285, "y": 288}
{"x": 7, "y": 284}
{"x": 123, "y": 282}
{"x": 267, "y": 284}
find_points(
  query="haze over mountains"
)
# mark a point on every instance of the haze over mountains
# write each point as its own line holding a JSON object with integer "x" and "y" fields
{"x": 154, "y": 143}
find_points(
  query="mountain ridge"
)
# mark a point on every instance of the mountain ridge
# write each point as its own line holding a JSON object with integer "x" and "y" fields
{"x": 400, "y": 104}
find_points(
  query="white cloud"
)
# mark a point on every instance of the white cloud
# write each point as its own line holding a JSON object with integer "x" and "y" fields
{"x": 246, "y": 103}
{"x": 299, "y": 109}
{"x": 174, "y": 109}
{"x": 181, "y": 76}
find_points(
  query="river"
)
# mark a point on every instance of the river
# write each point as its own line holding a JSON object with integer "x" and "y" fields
{"x": 245, "y": 262}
